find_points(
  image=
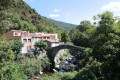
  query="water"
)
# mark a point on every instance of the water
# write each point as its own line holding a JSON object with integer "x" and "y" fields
{"x": 61, "y": 70}
{"x": 68, "y": 65}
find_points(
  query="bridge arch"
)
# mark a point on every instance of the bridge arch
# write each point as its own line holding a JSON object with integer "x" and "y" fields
{"x": 56, "y": 49}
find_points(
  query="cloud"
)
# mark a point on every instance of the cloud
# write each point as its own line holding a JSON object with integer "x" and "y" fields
{"x": 54, "y": 15}
{"x": 57, "y": 10}
{"x": 113, "y": 6}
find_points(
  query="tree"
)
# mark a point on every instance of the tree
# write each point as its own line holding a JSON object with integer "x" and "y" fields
{"x": 71, "y": 33}
{"x": 6, "y": 3}
{"x": 40, "y": 46}
{"x": 12, "y": 71}
{"x": 81, "y": 39}
{"x": 65, "y": 37}
{"x": 6, "y": 52}
{"x": 5, "y": 25}
{"x": 16, "y": 47}
{"x": 81, "y": 36}
{"x": 103, "y": 37}
{"x": 105, "y": 46}
{"x": 84, "y": 25}
{"x": 8, "y": 69}
{"x": 101, "y": 61}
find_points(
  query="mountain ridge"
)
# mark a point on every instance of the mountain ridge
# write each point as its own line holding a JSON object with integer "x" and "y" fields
{"x": 22, "y": 17}
{"x": 63, "y": 25}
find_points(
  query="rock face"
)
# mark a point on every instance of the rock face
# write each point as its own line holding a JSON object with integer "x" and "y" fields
{"x": 60, "y": 53}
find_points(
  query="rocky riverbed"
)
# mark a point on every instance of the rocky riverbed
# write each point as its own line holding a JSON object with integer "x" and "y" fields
{"x": 67, "y": 65}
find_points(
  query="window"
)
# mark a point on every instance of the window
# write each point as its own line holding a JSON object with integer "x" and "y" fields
{"x": 48, "y": 37}
{"x": 44, "y": 37}
{"x": 29, "y": 40}
{"x": 24, "y": 40}
{"x": 16, "y": 34}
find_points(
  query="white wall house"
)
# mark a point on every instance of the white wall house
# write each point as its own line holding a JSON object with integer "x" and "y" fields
{"x": 29, "y": 39}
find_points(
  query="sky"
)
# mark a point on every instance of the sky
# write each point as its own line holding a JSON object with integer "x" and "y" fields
{"x": 74, "y": 11}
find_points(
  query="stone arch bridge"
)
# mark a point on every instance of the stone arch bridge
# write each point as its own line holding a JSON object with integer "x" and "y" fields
{"x": 56, "y": 49}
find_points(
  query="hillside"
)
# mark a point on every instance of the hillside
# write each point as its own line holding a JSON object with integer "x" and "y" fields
{"x": 20, "y": 16}
{"x": 63, "y": 25}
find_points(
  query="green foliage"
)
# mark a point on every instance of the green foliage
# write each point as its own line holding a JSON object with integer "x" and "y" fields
{"x": 61, "y": 58}
{"x": 101, "y": 60}
{"x": 6, "y": 3}
{"x": 71, "y": 33}
{"x": 34, "y": 66}
{"x": 63, "y": 25}
{"x": 84, "y": 25}
{"x": 105, "y": 39}
{"x": 105, "y": 44}
{"x": 20, "y": 57}
{"x": 92, "y": 73}
{"x": 6, "y": 52}
{"x": 60, "y": 76}
{"x": 81, "y": 35}
{"x": 12, "y": 71}
{"x": 64, "y": 56}
{"x": 40, "y": 45}
{"x": 65, "y": 37}
{"x": 4, "y": 26}
{"x": 16, "y": 46}
{"x": 21, "y": 17}
{"x": 83, "y": 38}
{"x": 104, "y": 50}
{"x": 9, "y": 70}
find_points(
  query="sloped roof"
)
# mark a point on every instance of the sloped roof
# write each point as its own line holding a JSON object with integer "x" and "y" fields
{"x": 41, "y": 35}
{"x": 34, "y": 35}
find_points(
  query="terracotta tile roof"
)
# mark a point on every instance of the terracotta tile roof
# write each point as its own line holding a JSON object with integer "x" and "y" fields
{"x": 53, "y": 40}
{"x": 34, "y": 35}
{"x": 41, "y": 35}
{"x": 19, "y": 31}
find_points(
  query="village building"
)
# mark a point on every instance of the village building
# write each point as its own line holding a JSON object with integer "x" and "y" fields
{"x": 29, "y": 39}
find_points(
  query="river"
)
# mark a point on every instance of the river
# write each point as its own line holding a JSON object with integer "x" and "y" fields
{"x": 67, "y": 65}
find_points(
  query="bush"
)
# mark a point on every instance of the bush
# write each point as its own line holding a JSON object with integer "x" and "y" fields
{"x": 30, "y": 67}
{"x": 60, "y": 76}
{"x": 30, "y": 55}
{"x": 92, "y": 73}
{"x": 12, "y": 71}
{"x": 20, "y": 57}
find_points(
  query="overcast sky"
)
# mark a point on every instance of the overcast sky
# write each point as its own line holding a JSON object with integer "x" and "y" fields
{"x": 74, "y": 11}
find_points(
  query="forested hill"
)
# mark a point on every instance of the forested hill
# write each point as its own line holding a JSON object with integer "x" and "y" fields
{"x": 20, "y": 16}
{"x": 66, "y": 26}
